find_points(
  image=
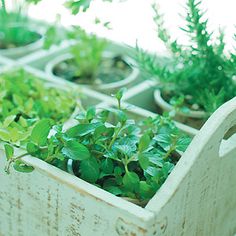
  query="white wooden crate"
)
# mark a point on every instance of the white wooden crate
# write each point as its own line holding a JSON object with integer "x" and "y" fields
{"x": 198, "y": 198}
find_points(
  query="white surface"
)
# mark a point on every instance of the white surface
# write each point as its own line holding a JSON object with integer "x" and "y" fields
{"x": 132, "y": 20}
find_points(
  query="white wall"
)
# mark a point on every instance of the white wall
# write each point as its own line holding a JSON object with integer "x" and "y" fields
{"x": 132, "y": 19}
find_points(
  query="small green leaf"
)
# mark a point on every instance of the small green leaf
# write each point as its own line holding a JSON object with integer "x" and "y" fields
{"x": 20, "y": 166}
{"x": 9, "y": 150}
{"x": 143, "y": 161}
{"x": 131, "y": 180}
{"x": 144, "y": 142}
{"x": 89, "y": 170}
{"x": 75, "y": 151}
{"x": 145, "y": 190}
{"x": 183, "y": 143}
{"x": 120, "y": 94}
{"x": 91, "y": 113}
{"x": 40, "y": 132}
{"x": 107, "y": 166}
{"x": 31, "y": 148}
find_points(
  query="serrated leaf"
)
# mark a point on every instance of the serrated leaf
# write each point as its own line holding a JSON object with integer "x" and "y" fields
{"x": 75, "y": 150}
{"x": 183, "y": 143}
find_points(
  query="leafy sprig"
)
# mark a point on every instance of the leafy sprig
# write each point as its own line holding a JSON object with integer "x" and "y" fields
{"x": 25, "y": 99}
{"x": 108, "y": 149}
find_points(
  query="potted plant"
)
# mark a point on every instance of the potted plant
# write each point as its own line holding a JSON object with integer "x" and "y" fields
{"x": 199, "y": 77}
{"x": 18, "y": 34}
{"x": 89, "y": 62}
{"x": 105, "y": 148}
{"x": 25, "y": 99}
{"x": 69, "y": 205}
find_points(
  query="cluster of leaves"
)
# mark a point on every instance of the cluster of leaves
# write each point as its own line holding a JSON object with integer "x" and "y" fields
{"x": 15, "y": 26}
{"x": 201, "y": 72}
{"x": 108, "y": 149}
{"x": 86, "y": 50}
{"x": 79, "y": 5}
{"x": 87, "y": 53}
{"x": 24, "y": 100}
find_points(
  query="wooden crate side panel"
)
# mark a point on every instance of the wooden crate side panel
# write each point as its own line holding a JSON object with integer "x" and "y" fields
{"x": 35, "y": 204}
{"x": 198, "y": 198}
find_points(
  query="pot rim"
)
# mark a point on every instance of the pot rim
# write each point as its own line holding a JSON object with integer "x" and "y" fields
{"x": 107, "y": 54}
{"x": 167, "y": 107}
{"x": 29, "y": 47}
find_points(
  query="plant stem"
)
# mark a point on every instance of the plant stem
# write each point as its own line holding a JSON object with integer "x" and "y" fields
{"x": 115, "y": 136}
{"x": 3, "y": 6}
{"x": 7, "y": 168}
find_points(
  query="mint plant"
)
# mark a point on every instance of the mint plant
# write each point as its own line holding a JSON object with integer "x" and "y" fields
{"x": 24, "y": 100}
{"x": 202, "y": 72}
{"x": 127, "y": 158}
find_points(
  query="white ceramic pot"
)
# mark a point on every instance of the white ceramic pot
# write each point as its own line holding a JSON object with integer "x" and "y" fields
{"x": 18, "y": 52}
{"x": 167, "y": 107}
{"x": 110, "y": 86}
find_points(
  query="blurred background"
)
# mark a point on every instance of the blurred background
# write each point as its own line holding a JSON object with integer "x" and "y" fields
{"x": 131, "y": 20}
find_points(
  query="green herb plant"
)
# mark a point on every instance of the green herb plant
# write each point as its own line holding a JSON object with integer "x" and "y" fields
{"x": 199, "y": 74}
{"x": 15, "y": 25}
{"x": 26, "y": 99}
{"x": 127, "y": 158}
{"x": 87, "y": 53}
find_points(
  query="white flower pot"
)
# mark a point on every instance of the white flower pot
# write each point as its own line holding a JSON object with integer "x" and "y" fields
{"x": 102, "y": 87}
{"x": 16, "y": 53}
{"x": 167, "y": 107}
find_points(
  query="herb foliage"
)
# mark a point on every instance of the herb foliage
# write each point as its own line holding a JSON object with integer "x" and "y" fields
{"x": 127, "y": 158}
{"x": 202, "y": 73}
{"x": 24, "y": 100}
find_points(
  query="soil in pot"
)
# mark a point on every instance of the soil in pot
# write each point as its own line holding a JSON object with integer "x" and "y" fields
{"x": 189, "y": 104}
{"x": 17, "y": 36}
{"x": 110, "y": 70}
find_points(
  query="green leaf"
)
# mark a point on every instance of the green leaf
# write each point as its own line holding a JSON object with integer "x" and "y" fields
{"x": 143, "y": 161}
{"x": 120, "y": 94}
{"x": 144, "y": 142}
{"x": 4, "y": 135}
{"x": 82, "y": 129}
{"x": 145, "y": 190}
{"x": 91, "y": 113}
{"x": 40, "y": 132}
{"x": 107, "y": 166}
{"x": 9, "y": 150}
{"x": 75, "y": 151}
{"x": 31, "y": 148}
{"x": 89, "y": 170}
{"x": 77, "y": 5}
{"x": 20, "y": 166}
{"x": 131, "y": 180}
{"x": 183, "y": 143}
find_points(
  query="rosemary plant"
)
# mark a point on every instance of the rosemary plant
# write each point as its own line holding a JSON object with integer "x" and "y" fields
{"x": 201, "y": 72}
